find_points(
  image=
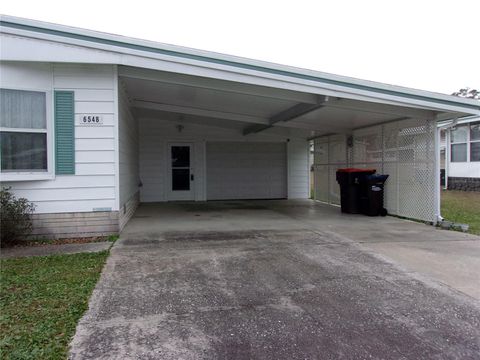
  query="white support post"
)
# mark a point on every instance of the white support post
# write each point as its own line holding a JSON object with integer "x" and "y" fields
{"x": 437, "y": 190}
{"x": 447, "y": 156}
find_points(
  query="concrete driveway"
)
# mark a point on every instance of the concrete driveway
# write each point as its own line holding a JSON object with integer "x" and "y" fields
{"x": 280, "y": 280}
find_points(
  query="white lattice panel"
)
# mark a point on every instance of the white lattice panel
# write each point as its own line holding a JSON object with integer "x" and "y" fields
{"x": 350, "y": 154}
{"x": 334, "y": 188}
{"x": 367, "y": 145}
{"x": 390, "y": 142}
{"x": 390, "y": 195}
{"x": 330, "y": 154}
{"x": 320, "y": 154}
{"x": 337, "y": 149}
{"x": 321, "y": 182}
{"x": 416, "y": 169}
{"x": 405, "y": 150}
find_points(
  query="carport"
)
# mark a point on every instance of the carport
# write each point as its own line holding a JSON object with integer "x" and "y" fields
{"x": 241, "y": 129}
{"x": 280, "y": 278}
{"x": 178, "y": 124}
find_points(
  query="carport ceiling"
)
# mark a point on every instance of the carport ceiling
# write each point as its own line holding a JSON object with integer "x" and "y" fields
{"x": 251, "y": 108}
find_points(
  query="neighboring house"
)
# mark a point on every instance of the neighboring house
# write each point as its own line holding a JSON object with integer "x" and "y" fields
{"x": 460, "y": 154}
{"x": 92, "y": 124}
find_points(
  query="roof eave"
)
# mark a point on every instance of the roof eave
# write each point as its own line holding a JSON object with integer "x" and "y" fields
{"x": 125, "y": 43}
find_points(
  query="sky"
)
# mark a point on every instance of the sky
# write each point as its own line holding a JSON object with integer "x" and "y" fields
{"x": 422, "y": 44}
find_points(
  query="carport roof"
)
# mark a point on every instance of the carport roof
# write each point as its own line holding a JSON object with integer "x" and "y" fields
{"x": 168, "y": 59}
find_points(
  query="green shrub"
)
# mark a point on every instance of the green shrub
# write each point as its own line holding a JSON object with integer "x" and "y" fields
{"x": 15, "y": 217}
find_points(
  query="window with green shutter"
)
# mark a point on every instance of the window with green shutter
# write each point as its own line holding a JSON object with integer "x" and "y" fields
{"x": 64, "y": 133}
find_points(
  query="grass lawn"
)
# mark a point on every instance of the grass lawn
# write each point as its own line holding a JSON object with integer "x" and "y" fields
{"x": 462, "y": 207}
{"x": 41, "y": 301}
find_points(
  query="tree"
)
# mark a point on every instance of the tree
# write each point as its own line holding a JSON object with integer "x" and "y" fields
{"x": 467, "y": 93}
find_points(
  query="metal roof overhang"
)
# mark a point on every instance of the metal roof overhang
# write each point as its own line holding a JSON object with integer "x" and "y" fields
{"x": 220, "y": 90}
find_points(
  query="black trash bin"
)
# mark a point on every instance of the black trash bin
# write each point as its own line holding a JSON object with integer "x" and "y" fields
{"x": 371, "y": 198}
{"x": 352, "y": 181}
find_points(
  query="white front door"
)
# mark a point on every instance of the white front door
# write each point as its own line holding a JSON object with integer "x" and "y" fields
{"x": 180, "y": 171}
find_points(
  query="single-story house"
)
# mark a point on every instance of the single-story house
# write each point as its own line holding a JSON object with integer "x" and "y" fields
{"x": 92, "y": 124}
{"x": 460, "y": 153}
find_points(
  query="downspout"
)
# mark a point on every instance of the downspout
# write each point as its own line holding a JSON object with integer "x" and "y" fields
{"x": 447, "y": 127}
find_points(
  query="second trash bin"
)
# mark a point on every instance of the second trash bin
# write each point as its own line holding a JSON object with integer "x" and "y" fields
{"x": 371, "y": 195}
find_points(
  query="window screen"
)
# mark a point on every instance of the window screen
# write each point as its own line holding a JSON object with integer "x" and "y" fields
{"x": 23, "y": 121}
{"x": 459, "y": 153}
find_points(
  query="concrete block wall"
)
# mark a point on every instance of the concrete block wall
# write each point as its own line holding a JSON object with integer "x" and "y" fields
{"x": 464, "y": 183}
{"x": 74, "y": 224}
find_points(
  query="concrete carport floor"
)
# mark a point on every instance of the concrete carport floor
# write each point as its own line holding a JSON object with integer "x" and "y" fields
{"x": 279, "y": 280}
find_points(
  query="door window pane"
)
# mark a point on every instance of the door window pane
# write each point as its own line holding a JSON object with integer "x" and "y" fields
{"x": 475, "y": 131}
{"x": 459, "y": 134}
{"x": 180, "y": 156}
{"x": 475, "y": 151}
{"x": 181, "y": 179}
{"x": 24, "y": 151}
{"x": 23, "y": 109}
{"x": 459, "y": 153}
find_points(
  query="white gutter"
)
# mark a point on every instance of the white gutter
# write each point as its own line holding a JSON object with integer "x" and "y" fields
{"x": 463, "y": 120}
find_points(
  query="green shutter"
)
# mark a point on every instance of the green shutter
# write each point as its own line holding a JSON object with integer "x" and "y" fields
{"x": 64, "y": 133}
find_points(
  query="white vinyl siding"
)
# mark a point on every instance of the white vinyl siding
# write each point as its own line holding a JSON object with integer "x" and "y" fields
{"x": 246, "y": 170}
{"x": 128, "y": 159}
{"x": 464, "y": 169}
{"x": 93, "y": 185}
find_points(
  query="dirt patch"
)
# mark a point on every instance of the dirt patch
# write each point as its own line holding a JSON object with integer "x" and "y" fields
{"x": 79, "y": 240}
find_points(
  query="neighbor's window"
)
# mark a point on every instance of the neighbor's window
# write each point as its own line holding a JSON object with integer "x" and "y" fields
{"x": 23, "y": 130}
{"x": 458, "y": 139}
{"x": 465, "y": 143}
{"x": 475, "y": 141}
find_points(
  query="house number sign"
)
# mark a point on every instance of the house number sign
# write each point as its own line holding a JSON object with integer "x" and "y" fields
{"x": 90, "y": 120}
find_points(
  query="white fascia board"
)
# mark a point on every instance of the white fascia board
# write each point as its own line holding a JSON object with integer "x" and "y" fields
{"x": 321, "y": 83}
{"x": 460, "y": 120}
{"x": 25, "y": 47}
